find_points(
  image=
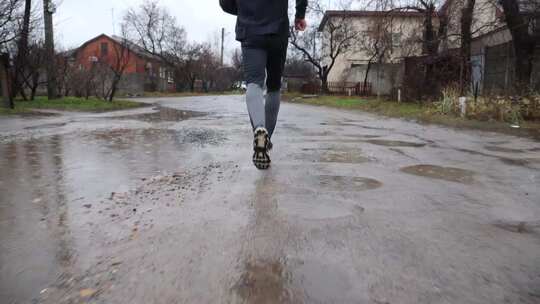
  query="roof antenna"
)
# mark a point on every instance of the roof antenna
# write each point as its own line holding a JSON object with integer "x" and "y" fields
{"x": 113, "y": 27}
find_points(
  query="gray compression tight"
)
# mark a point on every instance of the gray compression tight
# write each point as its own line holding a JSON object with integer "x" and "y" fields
{"x": 262, "y": 113}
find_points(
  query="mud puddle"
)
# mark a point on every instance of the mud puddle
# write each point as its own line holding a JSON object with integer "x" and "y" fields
{"x": 394, "y": 143}
{"x": 344, "y": 183}
{"x": 331, "y": 155}
{"x": 46, "y": 126}
{"x": 49, "y": 187}
{"x": 518, "y": 227}
{"x": 264, "y": 282}
{"x": 165, "y": 114}
{"x": 316, "y": 209}
{"x": 519, "y": 162}
{"x": 502, "y": 149}
{"x": 126, "y": 138}
{"x": 443, "y": 173}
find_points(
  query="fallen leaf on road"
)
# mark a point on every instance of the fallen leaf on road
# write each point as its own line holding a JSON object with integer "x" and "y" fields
{"x": 88, "y": 292}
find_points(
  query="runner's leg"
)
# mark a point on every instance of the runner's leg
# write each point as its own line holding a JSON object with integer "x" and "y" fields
{"x": 254, "y": 62}
{"x": 274, "y": 67}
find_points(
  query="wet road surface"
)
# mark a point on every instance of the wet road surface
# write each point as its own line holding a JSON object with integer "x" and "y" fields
{"x": 162, "y": 205}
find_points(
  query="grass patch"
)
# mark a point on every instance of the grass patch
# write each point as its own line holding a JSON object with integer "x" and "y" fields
{"x": 16, "y": 111}
{"x": 388, "y": 108}
{"x": 75, "y": 104}
{"x": 422, "y": 113}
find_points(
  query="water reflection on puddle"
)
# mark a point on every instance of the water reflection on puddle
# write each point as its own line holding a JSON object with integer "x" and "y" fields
{"x": 45, "y": 182}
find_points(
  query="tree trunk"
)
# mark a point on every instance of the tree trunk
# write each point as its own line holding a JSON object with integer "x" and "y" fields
{"x": 35, "y": 85}
{"x": 465, "y": 50}
{"x": 21, "y": 52}
{"x": 364, "y": 89}
{"x": 524, "y": 44}
{"x": 4, "y": 84}
{"x": 430, "y": 48}
{"x": 324, "y": 83}
{"x": 114, "y": 87}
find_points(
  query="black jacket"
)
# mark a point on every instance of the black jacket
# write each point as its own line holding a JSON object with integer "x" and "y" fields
{"x": 261, "y": 17}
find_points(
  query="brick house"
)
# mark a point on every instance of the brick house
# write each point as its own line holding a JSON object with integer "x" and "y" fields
{"x": 144, "y": 72}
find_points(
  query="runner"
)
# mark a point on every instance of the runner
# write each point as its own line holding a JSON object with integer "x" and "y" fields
{"x": 262, "y": 28}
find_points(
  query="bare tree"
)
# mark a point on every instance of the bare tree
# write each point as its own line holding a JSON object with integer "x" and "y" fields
{"x": 153, "y": 28}
{"x": 110, "y": 67}
{"x": 9, "y": 17}
{"x": 35, "y": 63}
{"x": 466, "y": 22}
{"x": 118, "y": 66}
{"x": 376, "y": 43}
{"x": 188, "y": 69}
{"x": 522, "y": 18}
{"x": 338, "y": 36}
{"x": 6, "y": 96}
{"x": 432, "y": 34}
{"x": 9, "y": 31}
{"x": 22, "y": 52}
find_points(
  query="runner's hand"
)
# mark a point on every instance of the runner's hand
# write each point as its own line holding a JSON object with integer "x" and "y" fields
{"x": 300, "y": 24}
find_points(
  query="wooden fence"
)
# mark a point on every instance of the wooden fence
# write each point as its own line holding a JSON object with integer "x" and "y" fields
{"x": 339, "y": 88}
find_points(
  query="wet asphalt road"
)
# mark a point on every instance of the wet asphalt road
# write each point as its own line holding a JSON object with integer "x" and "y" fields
{"x": 155, "y": 205}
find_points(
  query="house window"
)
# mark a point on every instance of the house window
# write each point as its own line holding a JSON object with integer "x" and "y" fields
{"x": 396, "y": 39}
{"x": 104, "y": 49}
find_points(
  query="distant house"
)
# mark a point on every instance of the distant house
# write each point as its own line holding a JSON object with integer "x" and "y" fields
{"x": 402, "y": 37}
{"x": 144, "y": 71}
{"x": 492, "y": 53}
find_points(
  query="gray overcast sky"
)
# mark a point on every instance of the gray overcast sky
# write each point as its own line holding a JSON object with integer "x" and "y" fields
{"x": 77, "y": 21}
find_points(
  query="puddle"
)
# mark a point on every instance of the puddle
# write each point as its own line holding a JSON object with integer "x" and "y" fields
{"x": 344, "y": 183}
{"x": 125, "y": 138}
{"x": 263, "y": 282}
{"x": 200, "y": 136}
{"x": 349, "y": 124}
{"x": 47, "y": 126}
{"x": 502, "y": 149}
{"x": 520, "y": 162}
{"x": 324, "y": 133}
{"x": 394, "y": 143}
{"x": 329, "y": 155}
{"x": 317, "y": 209}
{"x": 401, "y": 153}
{"x": 46, "y": 182}
{"x": 292, "y": 127}
{"x": 444, "y": 173}
{"x": 517, "y": 227}
{"x": 325, "y": 281}
{"x": 352, "y": 157}
{"x": 165, "y": 114}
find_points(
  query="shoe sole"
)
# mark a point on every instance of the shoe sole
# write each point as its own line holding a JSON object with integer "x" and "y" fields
{"x": 261, "y": 160}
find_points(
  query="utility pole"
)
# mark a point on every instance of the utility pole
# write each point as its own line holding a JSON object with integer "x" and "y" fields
{"x": 48, "y": 11}
{"x": 222, "y": 44}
